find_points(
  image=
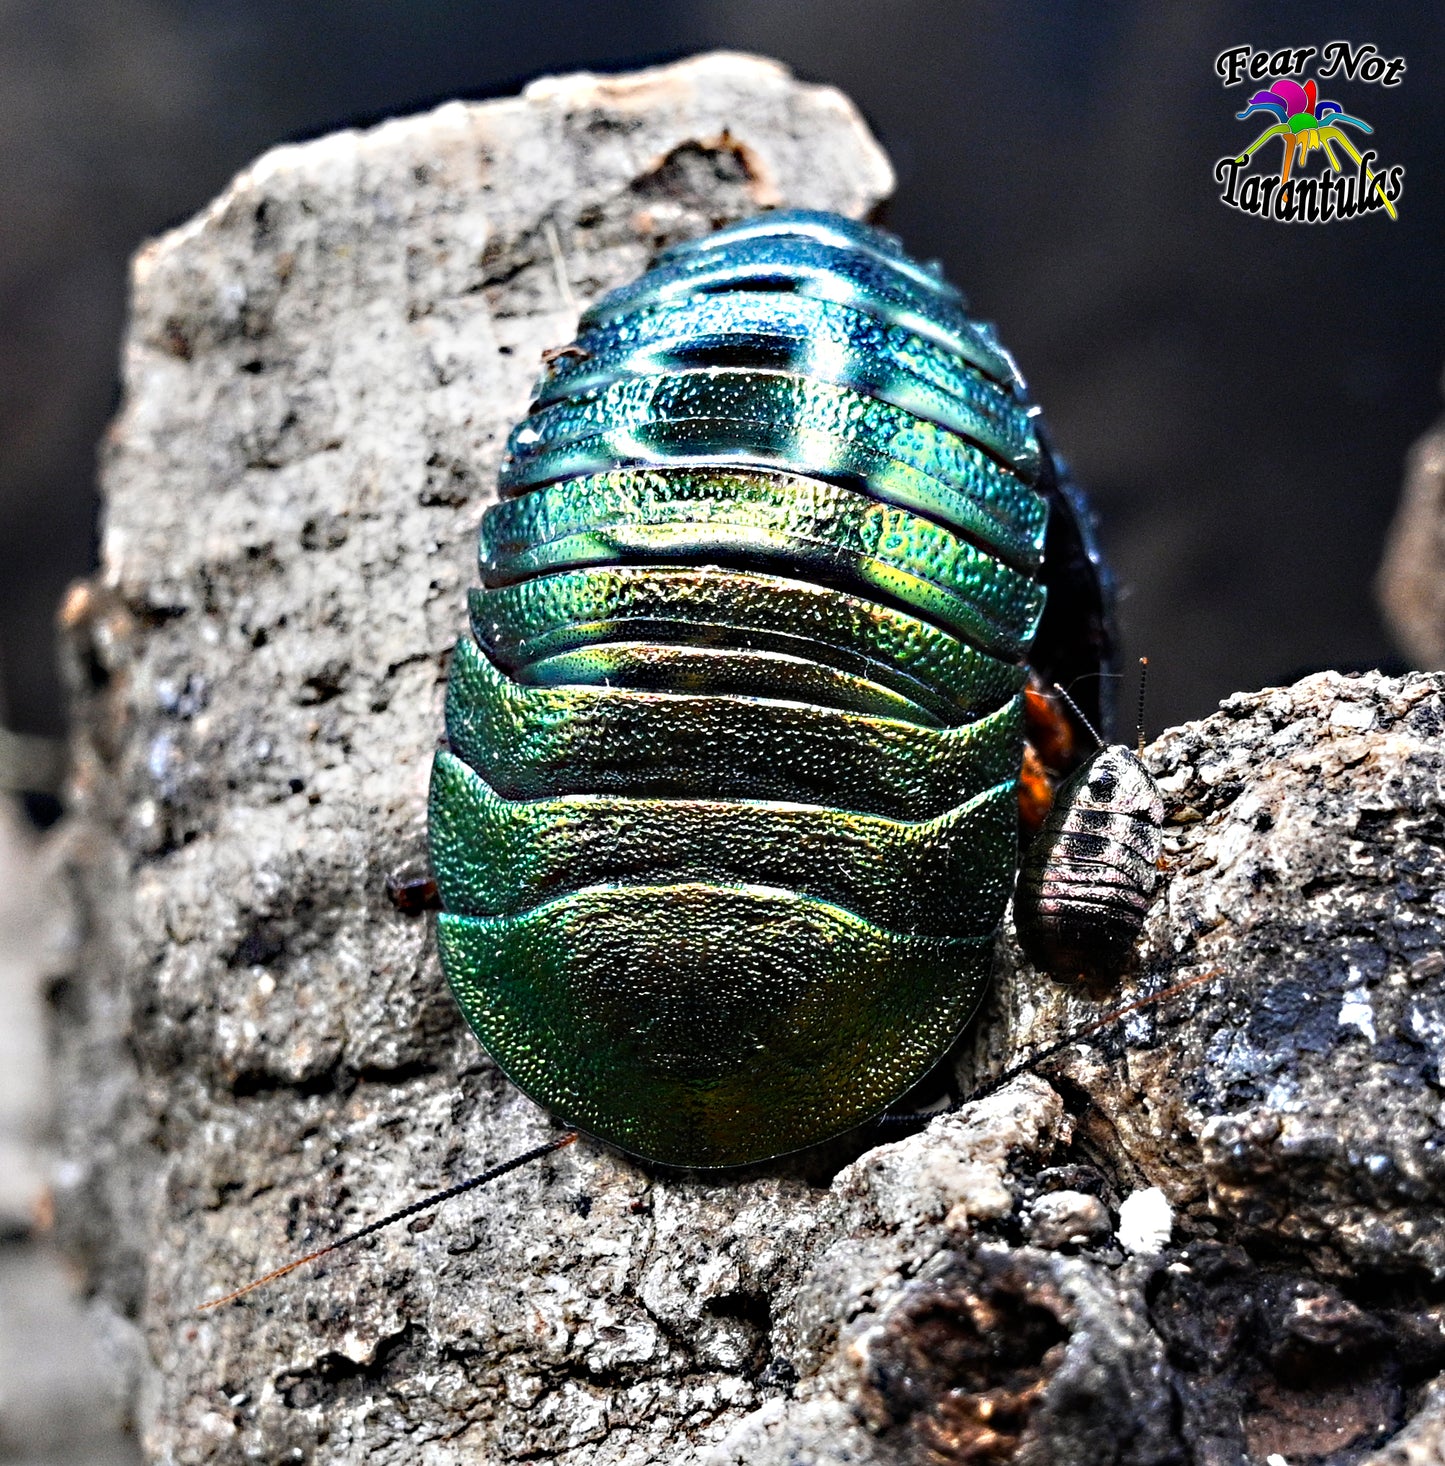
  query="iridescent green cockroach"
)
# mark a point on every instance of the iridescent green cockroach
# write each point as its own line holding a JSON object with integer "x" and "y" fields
{"x": 753, "y": 701}
{"x": 729, "y": 817}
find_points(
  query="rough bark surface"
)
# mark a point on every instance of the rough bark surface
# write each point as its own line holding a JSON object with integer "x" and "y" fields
{"x": 1209, "y": 1237}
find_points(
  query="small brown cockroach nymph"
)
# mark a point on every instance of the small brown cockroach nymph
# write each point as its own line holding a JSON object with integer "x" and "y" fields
{"x": 1088, "y": 876}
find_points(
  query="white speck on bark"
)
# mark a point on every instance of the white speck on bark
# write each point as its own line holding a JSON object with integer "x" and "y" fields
{"x": 1146, "y": 1222}
{"x": 1356, "y": 1012}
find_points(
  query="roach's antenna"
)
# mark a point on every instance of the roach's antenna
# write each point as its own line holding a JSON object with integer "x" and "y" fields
{"x": 1079, "y": 714}
{"x": 1116, "y": 1015}
{"x": 425, "y": 1204}
{"x": 1143, "y": 679}
{"x": 1007, "y": 1076}
{"x": 559, "y": 264}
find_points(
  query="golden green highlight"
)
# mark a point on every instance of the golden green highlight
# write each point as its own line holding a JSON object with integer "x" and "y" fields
{"x": 523, "y": 625}
{"x": 498, "y": 856}
{"x": 806, "y": 524}
{"x": 773, "y": 420}
{"x": 531, "y": 742}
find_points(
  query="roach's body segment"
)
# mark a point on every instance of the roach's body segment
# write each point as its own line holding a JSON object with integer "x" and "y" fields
{"x": 1089, "y": 874}
{"x": 728, "y": 821}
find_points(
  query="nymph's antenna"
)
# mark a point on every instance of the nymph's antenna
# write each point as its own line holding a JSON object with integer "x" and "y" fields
{"x": 1079, "y": 714}
{"x": 559, "y": 265}
{"x": 1143, "y": 678}
{"x": 1116, "y": 1015}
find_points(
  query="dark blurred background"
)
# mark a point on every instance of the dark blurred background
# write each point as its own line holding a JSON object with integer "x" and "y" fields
{"x": 1238, "y": 394}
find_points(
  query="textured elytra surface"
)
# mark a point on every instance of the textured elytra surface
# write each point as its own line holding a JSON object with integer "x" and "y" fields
{"x": 259, "y": 1050}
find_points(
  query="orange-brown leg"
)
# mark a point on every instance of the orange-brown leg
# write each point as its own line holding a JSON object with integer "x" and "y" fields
{"x": 1036, "y": 791}
{"x": 1048, "y": 727}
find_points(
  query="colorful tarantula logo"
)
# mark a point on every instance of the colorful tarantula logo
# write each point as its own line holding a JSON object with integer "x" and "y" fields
{"x": 1304, "y": 123}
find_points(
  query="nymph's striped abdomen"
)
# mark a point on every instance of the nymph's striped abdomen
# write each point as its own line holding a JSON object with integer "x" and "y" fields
{"x": 1089, "y": 875}
{"x": 728, "y": 822}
